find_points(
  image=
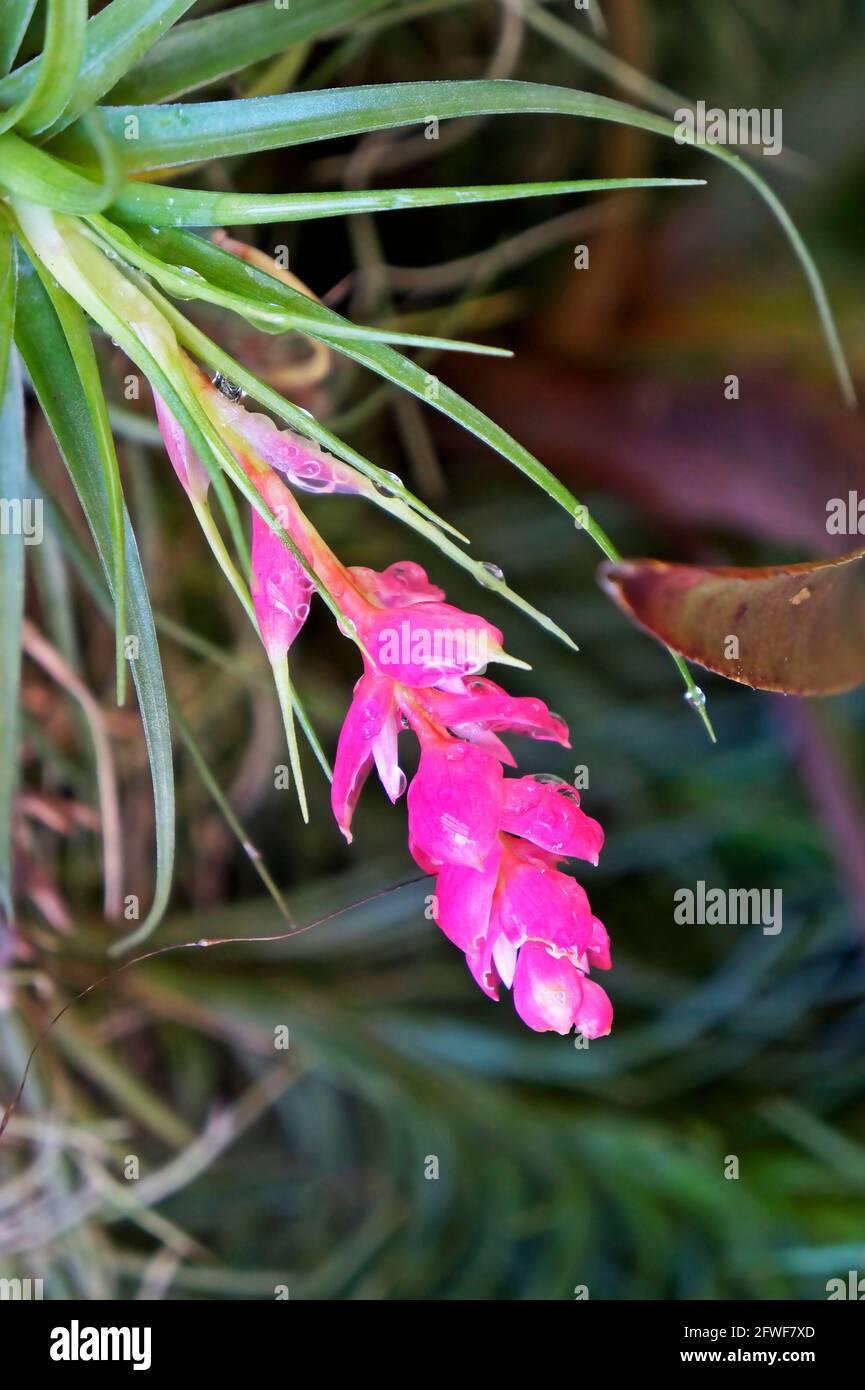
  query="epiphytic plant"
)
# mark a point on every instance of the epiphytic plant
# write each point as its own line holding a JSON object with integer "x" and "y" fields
{"x": 93, "y": 240}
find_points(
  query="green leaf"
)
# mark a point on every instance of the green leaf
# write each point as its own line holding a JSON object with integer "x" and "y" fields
{"x": 114, "y": 40}
{"x": 13, "y": 26}
{"x": 184, "y": 134}
{"x": 58, "y": 386}
{"x": 28, "y": 172}
{"x": 13, "y": 478}
{"x": 77, "y": 335}
{"x": 56, "y": 72}
{"x": 183, "y": 286}
{"x": 229, "y": 815}
{"x": 8, "y": 281}
{"x": 158, "y": 206}
{"x": 209, "y": 49}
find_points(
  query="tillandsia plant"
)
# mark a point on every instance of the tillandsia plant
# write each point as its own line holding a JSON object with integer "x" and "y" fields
{"x": 94, "y": 240}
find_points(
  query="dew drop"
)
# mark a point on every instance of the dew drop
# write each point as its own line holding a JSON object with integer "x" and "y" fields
{"x": 490, "y": 573}
{"x": 383, "y": 489}
{"x": 696, "y": 698}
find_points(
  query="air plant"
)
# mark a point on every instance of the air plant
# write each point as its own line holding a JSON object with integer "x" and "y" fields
{"x": 91, "y": 241}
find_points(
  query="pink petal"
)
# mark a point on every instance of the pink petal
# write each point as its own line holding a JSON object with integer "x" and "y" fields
{"x": 598, "y": 949}
{"x": 594, "y": 1016}
{"x": 281, "y": 589}
{"x": 548, "y": 990}
{"x": 400, "y": 584}
{"x": 464, "y": 898}
{"x": 505, "y": 959}
{"x": 428, "y": 642}
{"x": 453, "y": 802}
{"x": 187, "y": 465}
{"x": 490, "y": 743}
{"x": 424, "y": 861}
{"x": 479, "y": 703}
{"x": 303, "y": 462}
{"x": 365, "y": 725}
{"x": 538, "y": 903}
{"x": 548, "y": 814}
{"x": 483, "y": 970}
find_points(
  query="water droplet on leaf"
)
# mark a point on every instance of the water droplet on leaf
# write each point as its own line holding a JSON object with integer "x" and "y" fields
{"x": 491, "y": 574}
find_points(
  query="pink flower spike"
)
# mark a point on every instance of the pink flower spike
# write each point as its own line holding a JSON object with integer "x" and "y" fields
{"x": 369, "y": 734}
{"x": 548, "y": 991}
{"x": 399, "y": 585}
{"x": 453, "y": 803}
{"x": 548, "y": 813}
{"x": 281, "y": 589}
{"x": 185, "y": 461}
{"x": 425, "y": 643}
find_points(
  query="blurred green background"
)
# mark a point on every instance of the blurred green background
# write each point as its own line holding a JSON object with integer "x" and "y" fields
{"x": 557, "y": 1166}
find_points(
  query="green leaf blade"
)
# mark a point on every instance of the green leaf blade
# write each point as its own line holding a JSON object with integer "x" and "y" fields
{"x": 157, "y": 206}
{"x": 208, "y": 50}
{"x": 184, "y": 134}
{"x": 114, "y": 40}
{"x": 63, "y": 399}
{"x": 13, "y": 26}
{"x": 13, "y": 475}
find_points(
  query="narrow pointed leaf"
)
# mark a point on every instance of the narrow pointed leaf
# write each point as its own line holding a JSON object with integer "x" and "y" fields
{"x": 8, "y": 285}
{"x": 59, "y": 65}
{"x": 14, "y": 20}
{"x": 189, "y": 133}
{"x": 78, "y": 338}
{"x": 64, "y": 402}
{"x": 158, "y": 206}
{"x": 30, "y": 173}
{"x": 114, "y": 40}
{"x": 13, "y": 475}
{"x": 209, "y": 49}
